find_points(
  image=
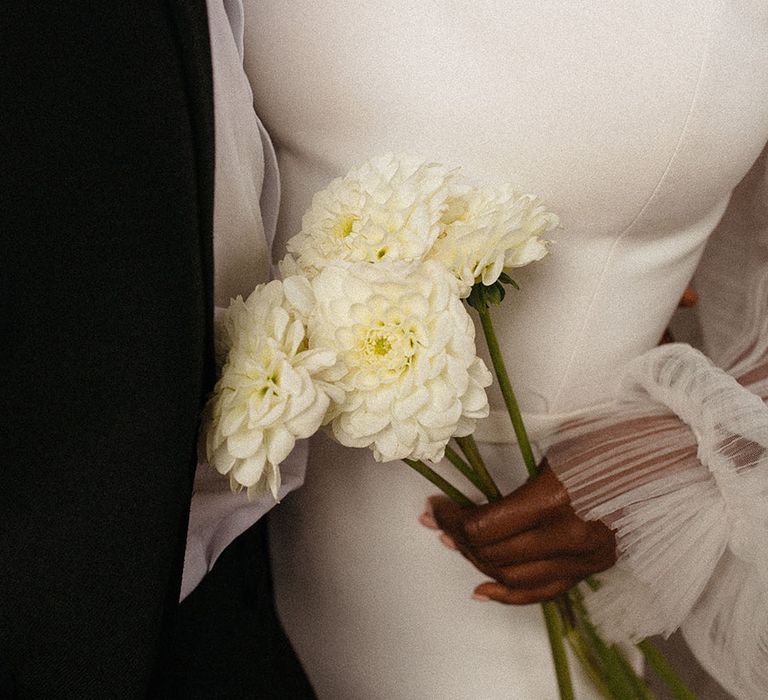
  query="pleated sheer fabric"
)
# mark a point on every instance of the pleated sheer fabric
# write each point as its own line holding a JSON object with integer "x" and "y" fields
{"x": 678, "y": 467}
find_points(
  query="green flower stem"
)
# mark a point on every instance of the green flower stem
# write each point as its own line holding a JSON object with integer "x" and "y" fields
{"x": 447, "y": 488}
{"x": 555, "y": 632}
{"x": 551, "y": 613}
{"x": 618, "y": 673}
{"x": 593, "y": 583}
{"x": 455, "y": 459}
{"x": 472, "y": 453}
{"x": 665, "y": 672}
{"x": 628, "y": 675}
{"x": 592, "y": 668}
{"x": 506, "y": 391}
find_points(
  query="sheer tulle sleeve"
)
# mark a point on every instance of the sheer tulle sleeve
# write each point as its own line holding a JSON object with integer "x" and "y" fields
{"x": 679, "y": 467}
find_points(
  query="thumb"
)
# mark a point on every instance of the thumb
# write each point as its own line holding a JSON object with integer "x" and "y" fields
{"x": 448, "y": 515}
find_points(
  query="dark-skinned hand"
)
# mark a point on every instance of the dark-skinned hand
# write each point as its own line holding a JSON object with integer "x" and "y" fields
{"x": 531, "y": 542}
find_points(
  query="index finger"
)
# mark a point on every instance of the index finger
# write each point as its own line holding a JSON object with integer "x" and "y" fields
{"x": 534, "y": 502}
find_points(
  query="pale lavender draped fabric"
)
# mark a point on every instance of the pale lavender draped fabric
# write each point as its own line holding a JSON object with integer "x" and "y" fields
{"x": 247, "y": 197}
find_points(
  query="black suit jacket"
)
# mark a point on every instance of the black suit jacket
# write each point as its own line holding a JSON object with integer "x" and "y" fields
{"x": 105, "y": 339}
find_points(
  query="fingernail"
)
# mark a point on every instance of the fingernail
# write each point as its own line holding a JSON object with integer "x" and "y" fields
{"x": 448, "y": 541}
{"x": 480, "y": 598}
{"x": 427, "y": 520}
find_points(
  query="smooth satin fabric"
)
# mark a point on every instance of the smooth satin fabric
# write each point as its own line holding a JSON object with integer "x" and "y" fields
{"x": 635, "y": 123}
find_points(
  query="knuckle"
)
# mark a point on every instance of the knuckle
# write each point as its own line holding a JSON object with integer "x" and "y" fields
{"x": 554, "y": 489}
{"x": 604, "y": 558}
{"x": 581, "y": 532}
{"x": 472, "y": 529}
{"x": 578, "y": 536}
{"x": 553, "y": 590}
{"x": 558, "y": 496}
{"x": 486, "y": 556}
{"x": 513, "y": 577}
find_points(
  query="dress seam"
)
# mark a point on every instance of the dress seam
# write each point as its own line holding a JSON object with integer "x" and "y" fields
{"x": 662, "y": 178}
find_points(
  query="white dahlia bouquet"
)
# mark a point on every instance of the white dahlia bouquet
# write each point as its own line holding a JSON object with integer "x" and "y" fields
{"x": 369, "y": 336}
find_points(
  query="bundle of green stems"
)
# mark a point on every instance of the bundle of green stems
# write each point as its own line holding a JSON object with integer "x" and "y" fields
{"x": 566, "y": 618}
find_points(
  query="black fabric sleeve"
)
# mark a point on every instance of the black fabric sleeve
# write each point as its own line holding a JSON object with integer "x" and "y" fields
{"x": 227, "y": 642}
{"x": 102, "y": 340}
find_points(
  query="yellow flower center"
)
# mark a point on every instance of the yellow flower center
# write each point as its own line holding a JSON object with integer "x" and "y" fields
{"x": 380, "y": 345}
{"x": 344, "y": 225}
{"x": 387, "y": 349}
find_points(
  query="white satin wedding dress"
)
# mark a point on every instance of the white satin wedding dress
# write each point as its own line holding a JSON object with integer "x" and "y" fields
{"x": 635, "y": 122}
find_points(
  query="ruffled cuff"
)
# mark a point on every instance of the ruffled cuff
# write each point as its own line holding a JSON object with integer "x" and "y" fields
{"x": 680, "y": 472}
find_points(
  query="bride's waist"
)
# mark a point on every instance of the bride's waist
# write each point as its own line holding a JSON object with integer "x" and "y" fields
{"x": 497, "y": 427}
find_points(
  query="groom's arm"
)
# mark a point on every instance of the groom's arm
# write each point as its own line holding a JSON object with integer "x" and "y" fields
{"x": 102, "y": 335}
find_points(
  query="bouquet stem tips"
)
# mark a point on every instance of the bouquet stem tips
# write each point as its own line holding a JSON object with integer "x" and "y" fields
{"x": 443, "y": 484}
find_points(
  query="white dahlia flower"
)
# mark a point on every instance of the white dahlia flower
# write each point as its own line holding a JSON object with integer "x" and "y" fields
{"x": 270, "y": 392}
{"x": 489, "y": 229}
{"x": 406, "y": 346}
{"x": 389, "y": 208}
